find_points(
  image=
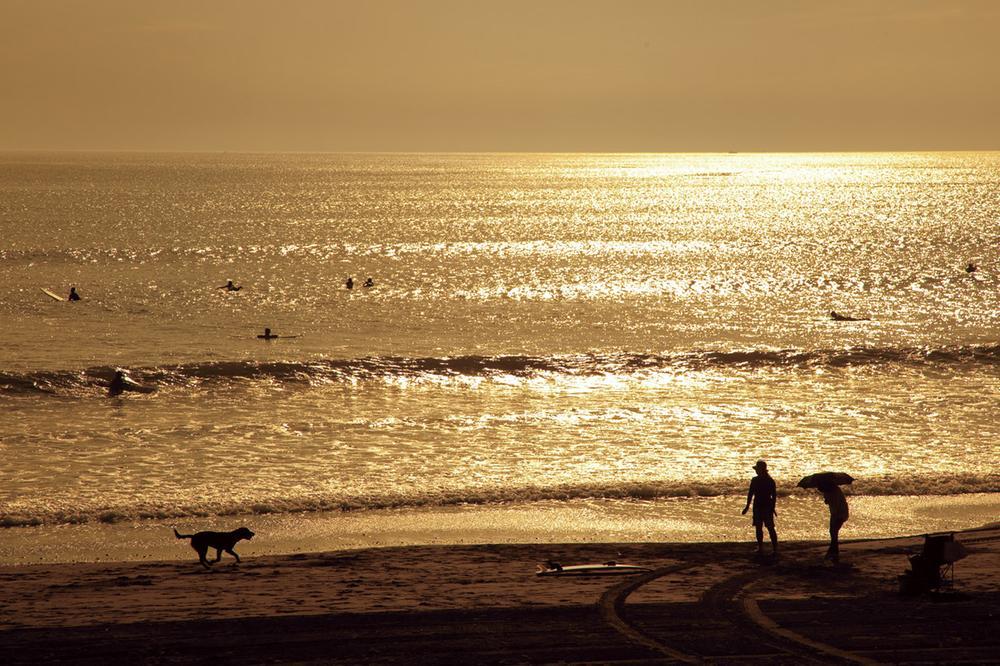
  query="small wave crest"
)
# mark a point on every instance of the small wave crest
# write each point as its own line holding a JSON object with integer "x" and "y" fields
{"x": 389, "y": 368}
{"x": 922, "y": 485}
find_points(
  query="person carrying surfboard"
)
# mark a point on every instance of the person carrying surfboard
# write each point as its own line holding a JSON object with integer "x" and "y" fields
{"x": 764, "y": 495}
{"x": 117, "y": 384}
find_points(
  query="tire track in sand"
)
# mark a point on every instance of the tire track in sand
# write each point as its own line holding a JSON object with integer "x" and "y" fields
{"x": 612, "y": 603}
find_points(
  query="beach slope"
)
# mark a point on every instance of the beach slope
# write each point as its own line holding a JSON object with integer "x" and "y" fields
{"x": 483, "y": 604}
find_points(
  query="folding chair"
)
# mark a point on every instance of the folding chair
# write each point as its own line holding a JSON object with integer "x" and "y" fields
{"x": 934, "y": 566}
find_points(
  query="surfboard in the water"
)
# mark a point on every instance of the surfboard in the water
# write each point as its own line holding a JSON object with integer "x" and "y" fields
{"x": 129, "y": 384}
{"x": 51, "y": 294}
{"x": 606, "y": 569}
{"x": 132, "y": 385}
{"x": 139, "y": 388}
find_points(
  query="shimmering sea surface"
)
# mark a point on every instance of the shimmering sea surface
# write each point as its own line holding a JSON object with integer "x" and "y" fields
{"x": 561, "y": 329}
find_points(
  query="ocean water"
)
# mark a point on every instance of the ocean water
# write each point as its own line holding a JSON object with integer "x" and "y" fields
{"x": 555, "y": 329}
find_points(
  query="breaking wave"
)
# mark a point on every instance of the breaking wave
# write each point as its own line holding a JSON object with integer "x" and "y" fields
{"x": 391, "y": 368}
{"x": 922, "y": 485}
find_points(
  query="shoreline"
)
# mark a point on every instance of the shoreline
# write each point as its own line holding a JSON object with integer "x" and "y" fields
{"x": 676, "y": 520}
{"x": 483, "y": 604}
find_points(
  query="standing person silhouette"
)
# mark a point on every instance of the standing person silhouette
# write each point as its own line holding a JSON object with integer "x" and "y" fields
{"x": 834, "y": 498}
{"x": 764, "y": 495}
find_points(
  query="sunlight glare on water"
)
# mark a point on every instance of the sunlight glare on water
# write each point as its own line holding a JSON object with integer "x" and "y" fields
{"x": 542, "y": 327}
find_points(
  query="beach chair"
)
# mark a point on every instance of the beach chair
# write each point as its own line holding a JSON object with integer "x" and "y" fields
{"x": 933, "y": 568}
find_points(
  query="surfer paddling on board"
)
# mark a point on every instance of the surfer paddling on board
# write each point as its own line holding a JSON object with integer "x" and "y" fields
{"x": 764, "y": 495}
{"x": 229, "y": 286}
{"x": 73, "y": 296}
{"x": 836, "y": 316}
{"x": 268, "y": 335}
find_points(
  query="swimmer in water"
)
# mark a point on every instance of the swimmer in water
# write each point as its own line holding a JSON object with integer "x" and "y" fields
{"x": 229, "y": 286}
{"x": 369, "y": 282}
{"x": 267, "y": 335}
{"x": 73, "y": 296}
{"x": 350, "y": 283}
{"x": 117, "y": 384}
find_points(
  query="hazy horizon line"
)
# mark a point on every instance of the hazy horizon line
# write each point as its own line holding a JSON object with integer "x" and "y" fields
{"x": 208, "y": 151}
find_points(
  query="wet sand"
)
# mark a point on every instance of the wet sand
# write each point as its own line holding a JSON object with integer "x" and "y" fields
{"x": 483, "y": 604}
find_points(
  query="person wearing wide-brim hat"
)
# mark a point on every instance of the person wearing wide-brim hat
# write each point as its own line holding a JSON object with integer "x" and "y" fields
{"x": 764, "y": 495}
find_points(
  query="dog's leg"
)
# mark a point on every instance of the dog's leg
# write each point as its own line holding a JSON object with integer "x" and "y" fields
{"x": 202, "y": 552}
{"x": 218, "y": 554}
{"x": 233, "y": 553}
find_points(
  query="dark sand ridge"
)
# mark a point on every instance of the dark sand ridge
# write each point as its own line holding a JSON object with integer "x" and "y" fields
{"x": 482, "y": 604}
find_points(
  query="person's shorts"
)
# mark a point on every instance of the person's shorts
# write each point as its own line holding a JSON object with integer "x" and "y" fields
{"x": 767, "y": 520}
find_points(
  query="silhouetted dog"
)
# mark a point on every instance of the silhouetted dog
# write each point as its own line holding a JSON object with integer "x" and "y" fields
{"x": 220, "y": 541}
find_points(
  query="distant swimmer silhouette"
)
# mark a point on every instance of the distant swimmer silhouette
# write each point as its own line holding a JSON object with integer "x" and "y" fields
{"x": 836, "y": 316}
{"x": 764, "y": 494}
{"x": 369, "y": 282}
{"x": 268, "y": 335}
{"x": 971, "y": 268}
{"x": 350, "y": 283}
{"x": 229, "y": 286}
{"x": 73, "y": 296}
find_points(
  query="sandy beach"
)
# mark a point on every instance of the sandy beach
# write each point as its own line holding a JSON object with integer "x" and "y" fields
{"x": 484, "y": 604}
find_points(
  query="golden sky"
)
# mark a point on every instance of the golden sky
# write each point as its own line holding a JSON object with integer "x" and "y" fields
{"x": 503, "y": 75}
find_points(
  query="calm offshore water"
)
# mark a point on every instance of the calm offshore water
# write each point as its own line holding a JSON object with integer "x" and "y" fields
{"x": 542, "y": 327}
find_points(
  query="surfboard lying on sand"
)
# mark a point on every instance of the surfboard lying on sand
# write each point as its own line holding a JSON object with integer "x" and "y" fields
{"x": 606, "y": 569}
{"x": 51, "y": 295}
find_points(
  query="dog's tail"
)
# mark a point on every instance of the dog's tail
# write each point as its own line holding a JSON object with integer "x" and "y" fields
{"x": 182, "y": 536}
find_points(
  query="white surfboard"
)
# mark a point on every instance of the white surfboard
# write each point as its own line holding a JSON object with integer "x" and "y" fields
{"x": 132, "y": 385}
{"x": 606, "y": 569}
{"x": 51, "y": 295}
